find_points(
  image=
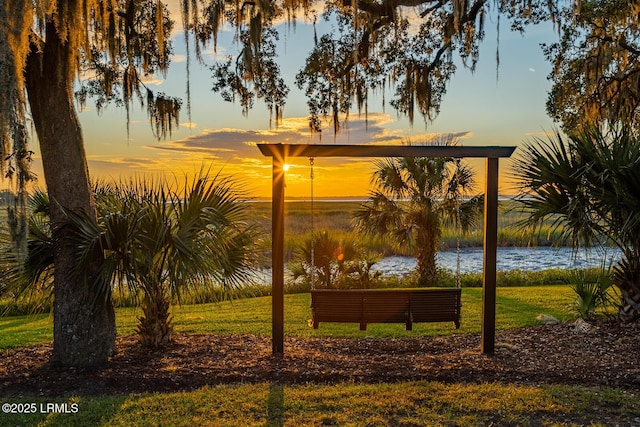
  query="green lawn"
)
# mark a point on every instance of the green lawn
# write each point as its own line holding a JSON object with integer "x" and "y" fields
{"x": 516, "y": 307}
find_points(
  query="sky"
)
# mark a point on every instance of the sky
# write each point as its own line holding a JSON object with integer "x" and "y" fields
{"x": 480, "y": 108}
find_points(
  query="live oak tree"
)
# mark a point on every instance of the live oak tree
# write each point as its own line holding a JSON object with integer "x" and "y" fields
{"x": 587, "y": 182}
{"x": 47, "y": 45}
{"x": 596, "y": 75}
{"x": 44, "y": 46}
{"x": 105, "y": 48}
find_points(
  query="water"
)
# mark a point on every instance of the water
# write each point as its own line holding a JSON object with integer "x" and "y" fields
{"x": 527, "y": 259}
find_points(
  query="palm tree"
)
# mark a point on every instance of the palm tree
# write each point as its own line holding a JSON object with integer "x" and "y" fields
{"x": 159, "y": 242}
{"x": 414, "y": 197}
{"x": 588, "y": 186}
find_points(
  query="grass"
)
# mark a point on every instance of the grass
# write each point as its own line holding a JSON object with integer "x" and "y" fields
{"x": 407, "y": 403}
{"x": 413, "y": 403}
{"x": 512, "y": 278}
{"x": 336, "y": 216}
{"x": 515, "y": 307}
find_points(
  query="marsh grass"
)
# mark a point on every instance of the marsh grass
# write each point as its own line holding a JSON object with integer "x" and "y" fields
{"x": 336, "y": 216}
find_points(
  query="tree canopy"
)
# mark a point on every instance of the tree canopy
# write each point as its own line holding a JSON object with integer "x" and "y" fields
{"x": 596, "y": 73}
{"x": 409, "y": 45}
{"x": 412, "y": 45}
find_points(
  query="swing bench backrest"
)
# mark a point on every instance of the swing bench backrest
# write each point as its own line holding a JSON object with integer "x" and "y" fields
{"x": 366, "y": 306}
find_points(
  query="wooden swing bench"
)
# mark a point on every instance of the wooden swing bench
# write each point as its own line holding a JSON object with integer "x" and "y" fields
{"x": 366, "y": 306}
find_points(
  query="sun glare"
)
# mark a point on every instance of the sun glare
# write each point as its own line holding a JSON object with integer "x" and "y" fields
{"x": 286, "y": 167}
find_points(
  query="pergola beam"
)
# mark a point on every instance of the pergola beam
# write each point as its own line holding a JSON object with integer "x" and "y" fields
{"x": 314, "y": 150}
{"x": 280, "y": 152}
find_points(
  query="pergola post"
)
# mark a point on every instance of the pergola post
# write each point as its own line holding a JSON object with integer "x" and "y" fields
{"x": 490, "y": 248}
{"x": 277, "y": 251}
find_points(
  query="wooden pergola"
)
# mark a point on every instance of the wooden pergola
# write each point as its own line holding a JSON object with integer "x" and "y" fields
{"x": 280, "y": 153}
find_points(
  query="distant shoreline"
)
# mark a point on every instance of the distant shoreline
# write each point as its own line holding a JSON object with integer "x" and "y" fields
{"x": 338, "y": 199}
{"x": 315, "y": 199}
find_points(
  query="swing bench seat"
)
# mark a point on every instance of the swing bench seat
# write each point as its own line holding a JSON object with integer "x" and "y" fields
{"x": 366, "y": 306}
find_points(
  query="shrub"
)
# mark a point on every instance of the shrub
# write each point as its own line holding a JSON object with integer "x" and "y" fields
{"x": 592, "y": 288}
{"x": 332, "y": 263}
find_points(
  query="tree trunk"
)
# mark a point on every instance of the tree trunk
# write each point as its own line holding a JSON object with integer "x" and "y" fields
{"x": 155, "y": 329}
{"x": 629, "y": 310}
{"x": 83, "y": 315}
{"x": 426, "y": 265}
{"x": 626, "y": 277}
{"x": 428, "y": 240}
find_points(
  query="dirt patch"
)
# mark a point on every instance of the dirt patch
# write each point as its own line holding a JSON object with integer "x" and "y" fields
{"x": 605, "y": 355}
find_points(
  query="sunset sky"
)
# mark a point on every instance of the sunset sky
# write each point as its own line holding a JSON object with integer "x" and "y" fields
{"x": 477, "y": 108}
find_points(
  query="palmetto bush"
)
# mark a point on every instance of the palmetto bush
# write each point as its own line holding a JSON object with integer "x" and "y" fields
{"x": 593, "y": 292}
{"x": 159, "y": 240}
{"x": 27, "y": 279}
{"x": 588, "y": 185}
{"x": 323, "y": 261}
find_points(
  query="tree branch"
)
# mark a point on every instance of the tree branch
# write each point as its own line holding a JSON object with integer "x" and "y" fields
{"x": 621, "y": 42}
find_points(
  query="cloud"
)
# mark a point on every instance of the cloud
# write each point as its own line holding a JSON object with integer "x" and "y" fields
{"x": 236, "y": 149}
{"x": 151, "y": 80}
{"x": 117, "y": 168}
{"x": 240, "y": 143}
{"x": 439, "y": 137}
{"x": 236, "y": 152}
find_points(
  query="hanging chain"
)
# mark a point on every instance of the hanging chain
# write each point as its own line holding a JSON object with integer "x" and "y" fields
{"x": 458, "y": 223}
{"x": 313, "y": 232}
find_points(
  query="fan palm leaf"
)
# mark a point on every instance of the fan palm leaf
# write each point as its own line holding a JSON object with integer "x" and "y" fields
{"x": 588, "y": 187}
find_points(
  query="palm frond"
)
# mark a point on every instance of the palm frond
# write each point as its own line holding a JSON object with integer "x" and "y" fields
{"x": 39, "y": 202}
{"x": 553, "y": 188}
{"x": 28, "y": 278}
{"x": 379, "y": 215}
